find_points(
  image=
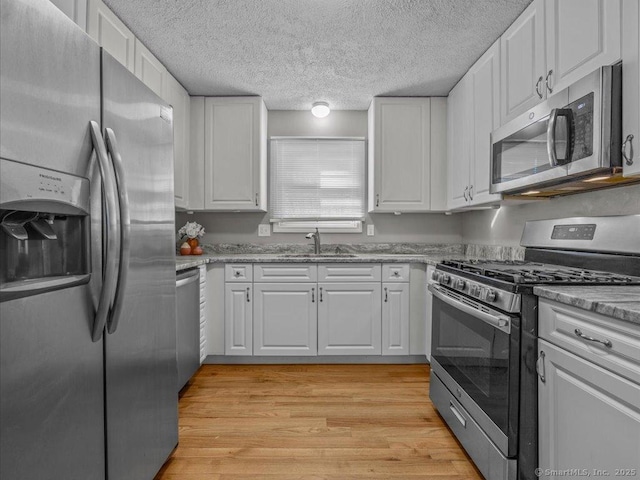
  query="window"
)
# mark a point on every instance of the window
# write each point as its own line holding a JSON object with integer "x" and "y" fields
{"x": 317, "y": 182}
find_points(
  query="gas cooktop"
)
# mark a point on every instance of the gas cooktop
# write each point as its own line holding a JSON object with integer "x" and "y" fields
{"x": 524, "y": 272}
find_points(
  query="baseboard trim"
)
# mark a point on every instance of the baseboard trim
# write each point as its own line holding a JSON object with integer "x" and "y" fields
{"x": 324, "y": 359}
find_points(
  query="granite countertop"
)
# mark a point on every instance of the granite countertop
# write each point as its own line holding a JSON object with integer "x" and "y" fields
{"x": 617, "y": 301}
{"x": 184, "y": 262}
{"x": 430, "y": 254}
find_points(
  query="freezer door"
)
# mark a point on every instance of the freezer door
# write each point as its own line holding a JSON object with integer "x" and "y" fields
{"x": 51, "y": 375}
{"x": 140, "y": 355}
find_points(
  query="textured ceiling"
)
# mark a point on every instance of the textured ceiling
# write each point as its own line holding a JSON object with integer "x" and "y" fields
{"x": 295, "y": 52}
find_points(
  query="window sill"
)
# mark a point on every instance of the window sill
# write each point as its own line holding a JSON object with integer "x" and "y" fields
{"x": 324, "y": 226}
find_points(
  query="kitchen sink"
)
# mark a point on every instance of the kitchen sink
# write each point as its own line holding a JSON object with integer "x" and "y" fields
{"x": 310, "y": 255}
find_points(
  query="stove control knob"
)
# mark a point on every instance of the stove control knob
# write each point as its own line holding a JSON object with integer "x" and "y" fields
{"x": 474, "y": 290}
{"x": 491, "y": 296}
{"x": 435, "y": 276}
{"x": 444, "y": 279}
{"x": 460, "y": 284}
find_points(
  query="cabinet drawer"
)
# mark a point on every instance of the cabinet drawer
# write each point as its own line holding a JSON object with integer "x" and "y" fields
{"x": 395, "y": 272}
{"x": 558, "y": 324}
{"x": 349, "y": 272}
{"x": 238, "y": 273}
{"x": 285, "y": 272}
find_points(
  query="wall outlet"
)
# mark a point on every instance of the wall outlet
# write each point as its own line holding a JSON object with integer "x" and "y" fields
{"x": 264, "y": 230}
{"x": 371, "y": 230}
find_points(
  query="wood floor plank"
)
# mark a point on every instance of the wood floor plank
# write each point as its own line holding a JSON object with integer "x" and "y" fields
{"x": 313, "y": 422}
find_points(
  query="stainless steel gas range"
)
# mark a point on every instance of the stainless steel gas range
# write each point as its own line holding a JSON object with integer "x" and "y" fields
{"x": 484, "y": 332}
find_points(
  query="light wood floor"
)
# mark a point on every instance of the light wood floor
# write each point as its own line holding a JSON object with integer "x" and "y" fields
{"x": 339, "y": 422}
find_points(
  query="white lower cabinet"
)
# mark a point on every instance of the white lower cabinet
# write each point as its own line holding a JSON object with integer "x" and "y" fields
{"x": 395, "y": 318}
{"x": 285, "y": 320}
{"x": 349, "y": 318}
{"x": 238, "y": 319}
{"x": 589, "y": 418}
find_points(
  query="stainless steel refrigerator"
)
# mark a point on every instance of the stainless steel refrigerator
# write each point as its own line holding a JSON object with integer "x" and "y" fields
{"x": 87, "y": 261}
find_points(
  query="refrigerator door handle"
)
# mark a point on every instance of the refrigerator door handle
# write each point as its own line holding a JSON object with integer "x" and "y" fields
{"x": 110, "y": 213}
{"x": 125, "y": 231}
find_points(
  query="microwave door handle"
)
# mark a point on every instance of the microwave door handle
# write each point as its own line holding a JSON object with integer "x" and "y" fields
{"x": 125, "y": 231}
{"x": 496, "y": 320}
{"x": 110, "y": 213}
{"x": 551, "y": 136}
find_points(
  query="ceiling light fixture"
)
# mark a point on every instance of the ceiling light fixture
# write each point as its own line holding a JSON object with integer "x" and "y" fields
{"x": 320, "y": 109}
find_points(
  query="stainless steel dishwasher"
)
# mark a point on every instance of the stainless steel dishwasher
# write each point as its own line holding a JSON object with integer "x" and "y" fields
{"x": 187, "y": 324}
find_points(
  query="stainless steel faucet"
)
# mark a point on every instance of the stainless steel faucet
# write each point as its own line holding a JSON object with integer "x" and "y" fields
{"x": 316, "y": 240}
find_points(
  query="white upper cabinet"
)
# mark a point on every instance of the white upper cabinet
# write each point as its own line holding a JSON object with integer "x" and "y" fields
{"x": 235, "y": 154}
{"x": 581, "y": 36}
{"x": 407, "y": 142}
{"x": 474, "y": 112}
{"x": 458, "y": 144}
{"x": 523, "y": 62}
{"x": 399, "y": 157}
{"x": 110, "y": 33}
{"x": 553, "y": 44}
{"x": 178, "y": 98}
{"x": 149, "y": 69}
{"x": 485, "y": 91}
{"x": 76, "y": 10}
{"x": 631, "y": 88}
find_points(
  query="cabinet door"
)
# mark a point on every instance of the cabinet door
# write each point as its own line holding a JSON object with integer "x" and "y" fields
{"x": 522, "y": 65}
{"x": 631, "y": 87}
{"x": 400, "y": 159}
{"x": 349, "y": 319}
{"x": 178, "y": 98}
{"x": 485, "y": 90}
{"x": 458, "y": 113}
{"x": 285, "y": 319}
{"x": 238, "y": 319}
{"x": 395, "y": 319}
{"x": 581, "y": 35}
{"x": 149, "y": 69}
{"x": 235, "y": 154}
{"x": 76, "y": 10}
{"x": 110, "y": 33}
{"x": 589, "y": 417}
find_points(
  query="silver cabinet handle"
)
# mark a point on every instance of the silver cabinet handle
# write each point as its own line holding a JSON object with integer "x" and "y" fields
{"x": 546, "y": 81}
{"x": 396, "y": 273}
{"x": 237, "y": 273}
{"x": 320, "y": 290}
{"x": 465, "y": 193}
{"x": 125, "y": 231}
{"x": 256, "y": 199}
{"x": 248, "y": 294}
{"x": 109, "y": 277}
{"x": 457, "y": 414}
{"x": 540, "y": 79}
{"x": 377, "y": 199}
{"x": 628, "y": 159}
{"x": 386, "y": 295}
{"x": 605, "y": 342}
{"x": 471, "y": 193}
{"x": 313, "y": 295}
{"x": 540, "y": 367}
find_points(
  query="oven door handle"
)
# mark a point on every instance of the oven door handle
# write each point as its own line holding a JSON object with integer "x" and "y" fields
{"x": 495, "y": 319}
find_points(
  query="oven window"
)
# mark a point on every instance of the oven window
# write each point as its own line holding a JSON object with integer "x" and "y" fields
{"x": 476, "y": 355}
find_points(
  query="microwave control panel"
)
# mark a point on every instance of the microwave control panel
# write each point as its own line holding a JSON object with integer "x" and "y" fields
{"x": 582, "y": 126}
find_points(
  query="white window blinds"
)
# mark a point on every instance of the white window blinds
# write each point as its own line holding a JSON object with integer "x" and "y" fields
{"x": 317, "y": 178}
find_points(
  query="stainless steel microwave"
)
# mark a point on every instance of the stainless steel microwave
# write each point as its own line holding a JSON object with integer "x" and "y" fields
{"x": 557, "y": 146}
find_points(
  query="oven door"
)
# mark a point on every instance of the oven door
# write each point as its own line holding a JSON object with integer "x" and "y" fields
{"x": 478, "y": 349}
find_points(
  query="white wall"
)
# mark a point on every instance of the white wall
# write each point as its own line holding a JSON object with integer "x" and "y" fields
{"x": 504, "y": 226}
{"x": 243, "y": 227}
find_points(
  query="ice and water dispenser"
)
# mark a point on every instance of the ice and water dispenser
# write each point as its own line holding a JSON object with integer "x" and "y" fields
{"x": 44, "y": 230}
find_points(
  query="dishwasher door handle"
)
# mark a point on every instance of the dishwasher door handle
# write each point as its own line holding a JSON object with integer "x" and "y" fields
{"x": 187, "y": 278}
